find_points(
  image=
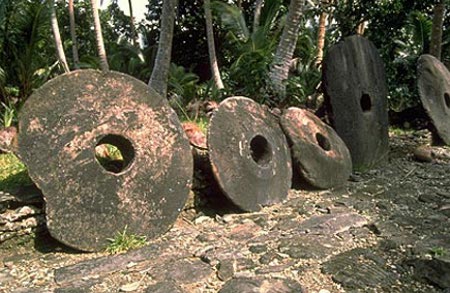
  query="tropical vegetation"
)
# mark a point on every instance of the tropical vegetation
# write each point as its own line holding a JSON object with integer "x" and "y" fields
{"x": 268, "y": 50}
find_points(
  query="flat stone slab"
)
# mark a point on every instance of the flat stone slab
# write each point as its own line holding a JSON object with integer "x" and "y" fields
{"x": 360, "y": 269}
{"x": 87, "y": 200}
{"x": 247, "y": 285}
{"x": 249, "y": 154}
{"x": 355, "y": 87}
{"x": 319, "y": 155}
{"x": 332, "y": 224}
{"x": 433, "y": 80}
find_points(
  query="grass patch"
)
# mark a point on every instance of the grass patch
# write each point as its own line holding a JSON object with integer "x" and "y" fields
{"x": 438, "y": 251}
{"x": 13, "y": 173}
{"x": 124, "y": 242}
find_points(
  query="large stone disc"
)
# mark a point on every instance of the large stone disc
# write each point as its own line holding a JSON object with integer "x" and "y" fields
{"x": 60, "y": 126}
{"x": 318, "y": 154}
{"x": 355, "y": 87}
{"x": 249, "y": 154}
{"x": 434, "y": 89}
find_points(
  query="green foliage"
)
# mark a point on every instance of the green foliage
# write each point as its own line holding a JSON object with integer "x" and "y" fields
{"x": 249, "y": 54}
{"x": 13, "y": 173}
{"x": 182, "y": 84}
{"x": 123, "y": 242}
{"x": 438, "y": 251}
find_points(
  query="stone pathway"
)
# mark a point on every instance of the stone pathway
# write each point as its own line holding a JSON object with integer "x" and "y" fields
{"x": 387, "y": 230}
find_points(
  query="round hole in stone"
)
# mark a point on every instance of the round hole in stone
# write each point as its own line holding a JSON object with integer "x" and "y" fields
{"x": 323, "y": 142}
{"x": 114, "y": 153}
{"x": 366, "y": 103}
{"x": 260, "y": 150}
{"x": 447, "y": 100}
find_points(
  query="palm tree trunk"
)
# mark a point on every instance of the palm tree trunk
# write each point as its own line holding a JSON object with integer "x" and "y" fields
{"x": 436, "y": 32}
{"x": 76, "y": 59}
{"x": 321, "y": 36}
{"x": 133, "y": 28}
{"x": 279, "y": 70}
{"x": 160, "y": 73}
{"x": 57, "y": 36}
{"x": 211, "y": 49}
{"x": 99, "y": 37}
{"x": 257, "y": 14}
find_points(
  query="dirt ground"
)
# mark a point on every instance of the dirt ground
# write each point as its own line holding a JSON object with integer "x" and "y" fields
{"x": 386, "y": 230}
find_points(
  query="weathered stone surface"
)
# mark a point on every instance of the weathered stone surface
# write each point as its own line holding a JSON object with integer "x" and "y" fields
{"x": 423, "y": 154}
{"x": 318, "y": 154}
{"x": 332, "y": 223}
{"x": 435, "y": 270}
{"x": 433, "y": 80}
{"x": 355, "y": 87}
{"x": 182, "y": 271}
{"x": 249, "y": 154}
{"x": 60, "y": 127}
{"x": 164, "y": 287}
{"x": 360, "y": 269}
{"x": 249, "y": 285}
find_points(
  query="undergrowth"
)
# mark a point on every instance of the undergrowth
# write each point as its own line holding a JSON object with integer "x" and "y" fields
{"x": 13, "y": 173}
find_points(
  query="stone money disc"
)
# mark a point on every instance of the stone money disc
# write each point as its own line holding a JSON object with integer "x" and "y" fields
{"x": 355, "y": 85}
{"x": 61, "y": 126}
{"x": 318, "y": 154}
{"x": 249, "y": 154}
{"x": 434, "y": 89}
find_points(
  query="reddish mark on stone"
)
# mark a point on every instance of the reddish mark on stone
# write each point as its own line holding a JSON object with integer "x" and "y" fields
{"x": 35, "y": 125}
{"x": 195, "y": 134}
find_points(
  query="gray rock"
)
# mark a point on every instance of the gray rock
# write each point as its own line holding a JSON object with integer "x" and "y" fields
{"x": 435, "y": 271}
{"x": 252, "y": 285}
{"x": 359, "y": 269}
{"x": 183, "y": 271}
{"x": 332, "y": 224}
{"x": 164, "y": 287}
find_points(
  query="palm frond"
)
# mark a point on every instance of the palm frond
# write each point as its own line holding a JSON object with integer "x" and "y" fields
{"x": 232, "y": 18}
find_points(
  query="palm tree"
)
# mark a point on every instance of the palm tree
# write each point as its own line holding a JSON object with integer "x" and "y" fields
{"x": 436, "y": 32}
{"x": 133, "y": 29}
{"x": 257, "y": 14}
{"x": 211, "y": 49}
{"x": 279, "y": 70}
{"x": 99, "y": 37}
{"x": 57, "y": 37}
{"x": 160, "y": 73}
{"x": 321, "y": 34}
{"x": 76, "y": 59}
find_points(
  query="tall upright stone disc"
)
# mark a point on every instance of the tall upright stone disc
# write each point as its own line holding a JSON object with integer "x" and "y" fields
{"x": 249, "y": 154}
{"x": 433, "y": 80}
{"x": 87, "y": 202}
{"x": 355, "y": 86}
{"x": 319, "y": 155}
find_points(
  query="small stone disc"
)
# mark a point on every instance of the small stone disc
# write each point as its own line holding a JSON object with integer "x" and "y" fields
{"x": 319, "y": 155}
{"x": 60, "y": 127}
{"x": 249, "y": 154}
{"x": 434, "y": 89}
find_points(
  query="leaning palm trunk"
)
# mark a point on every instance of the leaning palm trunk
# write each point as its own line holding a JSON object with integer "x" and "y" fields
{"x": 99, "y": 37}
{"x": 57, "y": 36}
{"x": 160, "y": 73}
{"x": 76, "y": 59}
{"x": 279, "y": 70}
{"x": 436, "y": 32}
{"x": 257, "y": 14}
{"x": 133, "y": 28}
{"x": 321, "y": 37}
{"x": 211, "y": 49}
